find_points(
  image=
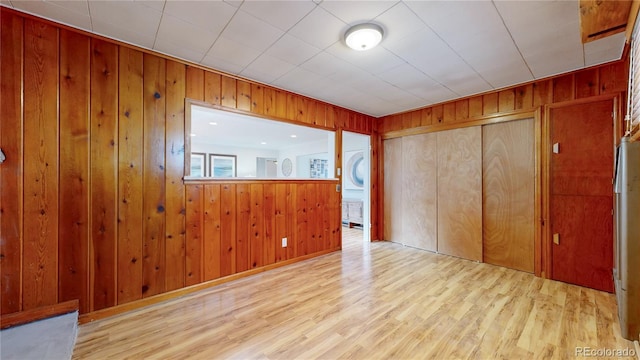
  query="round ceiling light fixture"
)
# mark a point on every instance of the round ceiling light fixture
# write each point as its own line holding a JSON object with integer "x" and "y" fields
{"x": 363, "y": 36}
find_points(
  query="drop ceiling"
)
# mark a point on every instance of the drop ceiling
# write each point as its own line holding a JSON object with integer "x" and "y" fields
{"x": 432, "y": 51}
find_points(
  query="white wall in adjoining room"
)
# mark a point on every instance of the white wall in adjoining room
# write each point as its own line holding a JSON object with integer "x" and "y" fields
{"x": 245, "y": 157}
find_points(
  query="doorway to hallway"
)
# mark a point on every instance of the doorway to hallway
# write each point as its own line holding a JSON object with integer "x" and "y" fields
{"x": 356, "y": 186}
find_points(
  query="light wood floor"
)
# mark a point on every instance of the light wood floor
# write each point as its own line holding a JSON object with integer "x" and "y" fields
{"x": 379, "y": 300}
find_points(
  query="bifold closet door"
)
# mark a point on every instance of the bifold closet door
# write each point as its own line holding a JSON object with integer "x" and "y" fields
{"x": 460, "y": 192}
{"x": 393, "y": 190}
{"x": 508, "y": 194}
{"x": 419, "y": 189}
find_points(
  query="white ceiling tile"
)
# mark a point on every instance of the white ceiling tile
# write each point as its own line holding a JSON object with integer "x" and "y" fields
{"x": 64, "y": 14}
{"x": 178, "y": 50}
{"x": 249, "y": 31}
{"x": 123, "y": 34}
{"x": 604, "y": 50}
{"x": 292, "y": 50}
{"x": 281, "y": 14}
{"x": 126, "y": 17}
{"x": 232, "y": 55}
{"x": 210, "y": 15}
{"x": 266, "y": 69}
{"x": 398, "y": 22}
{"x": 221, "y": 64}
{"x": 374, "y": 61}
{"x": 323, "y": 64}
{"x": 234, "y": 3}
{"x": 319, "y": 28}
{"x": 300, "y": 80}
{"x": 181, "y": 33}
{"x": 158, "y": 5}
{"x": 355, "y": 12}
{"x": 6, "y": 3}
{"x": 79, "y": 6}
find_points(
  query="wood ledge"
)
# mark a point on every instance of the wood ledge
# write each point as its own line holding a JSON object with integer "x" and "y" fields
{"x": 44, "y": 312}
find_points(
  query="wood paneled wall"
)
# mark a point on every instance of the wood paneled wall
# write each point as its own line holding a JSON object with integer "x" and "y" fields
{"x": 93, "y": 202}
{"x": 610, "y": 78}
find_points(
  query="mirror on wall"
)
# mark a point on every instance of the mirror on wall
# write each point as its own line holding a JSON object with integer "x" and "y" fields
{"x": 226, "y": 144}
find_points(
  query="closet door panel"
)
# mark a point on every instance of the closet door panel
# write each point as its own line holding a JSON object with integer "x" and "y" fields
{"x": 393, "y": 190}
{"x": 508, "y": 194}
{"x": 419, "y": 191}
{"x": 460, "y": 192}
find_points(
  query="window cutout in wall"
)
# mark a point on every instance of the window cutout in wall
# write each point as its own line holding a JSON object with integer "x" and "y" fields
{"x": 225, "y": 135}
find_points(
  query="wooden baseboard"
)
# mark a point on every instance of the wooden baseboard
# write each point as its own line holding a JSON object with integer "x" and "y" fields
{"x": 44, "y": 312}
{"x": 134, "y": 305}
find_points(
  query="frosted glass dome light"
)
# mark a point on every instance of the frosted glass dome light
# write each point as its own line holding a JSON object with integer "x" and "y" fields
{"x": 363, "y": 36}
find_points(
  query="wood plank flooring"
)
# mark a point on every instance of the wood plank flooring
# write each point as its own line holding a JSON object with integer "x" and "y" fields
{"x": 370, "y": 301}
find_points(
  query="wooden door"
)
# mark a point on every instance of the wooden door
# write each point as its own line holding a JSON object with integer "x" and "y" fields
{"x": 393, "y": 190}
{"x": 508, "y": 173}
{"x": 581, "y": 194}
{"x": 419, "y": 191}
{"x": 460, "y": 192}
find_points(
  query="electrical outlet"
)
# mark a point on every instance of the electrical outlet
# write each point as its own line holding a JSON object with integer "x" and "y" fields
{"x": 284, "y": 242}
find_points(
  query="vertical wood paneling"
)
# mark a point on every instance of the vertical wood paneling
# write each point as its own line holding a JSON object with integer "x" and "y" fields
{"x": 256, "y": 235}
{"x": 613, "y": 78}
{"x": 270, "y": 216}
{"x": 438, "y": 114}
{"x": 508, "y": 194}
{"x": 462, "y": 110}
{"x": 270, "y": 101}
{"x": 154, "y": 204}
{"x": 419, "y": 192}
{"x": 312, "y": 218}
{"x": 330, "y": 117}
{"x": 524, "y": 97}
{"x": 506, "y": 100}
{"x": 211, "y": 247}
{"x": 563, "y": 88}
{"x": 281, "y": 104}
{"x": 195, "y": 83}
{"x": 257, "y": 98}
{"x": 542, "y": 92}
{"x": 426, "y": 117}
{"x": 243, "y": 226}
{"x": 228, "y": 229}
{"x": 228, "y": 92}
{"x": 280, "y": 220}
{"x": 130, "y": 134}
{"x": 321, "y": 114}
{"x": 212, "y": 87}
{"x": 40, "y": 270}
{"x": 73, "y": 246}
{"x": 490, "y": 103}
{"x": 449, "y": 112}
{"x": 475, "y": 107}
{"x": 175, "y": 191}
{"x": 587, "y": 83}
{"x": 292, "y": 221}
{"x": 291, "y": 107}
{"x": 11, "y": 195}
{"x": 460, "y": 192}
{"x": 302, "y": 229}
{"x": 104, "y": 179}
{"x": 243, "y": 89}
{"x": 194, "y": 235}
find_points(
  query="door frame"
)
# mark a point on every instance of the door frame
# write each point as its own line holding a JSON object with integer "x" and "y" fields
{"x": 547, "y": 237}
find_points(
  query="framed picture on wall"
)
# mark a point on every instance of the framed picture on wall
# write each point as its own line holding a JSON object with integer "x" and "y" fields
{"x": 222, "y": 166}
{"x": 198, "y": 164}
{"x": 354, "y": 170}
